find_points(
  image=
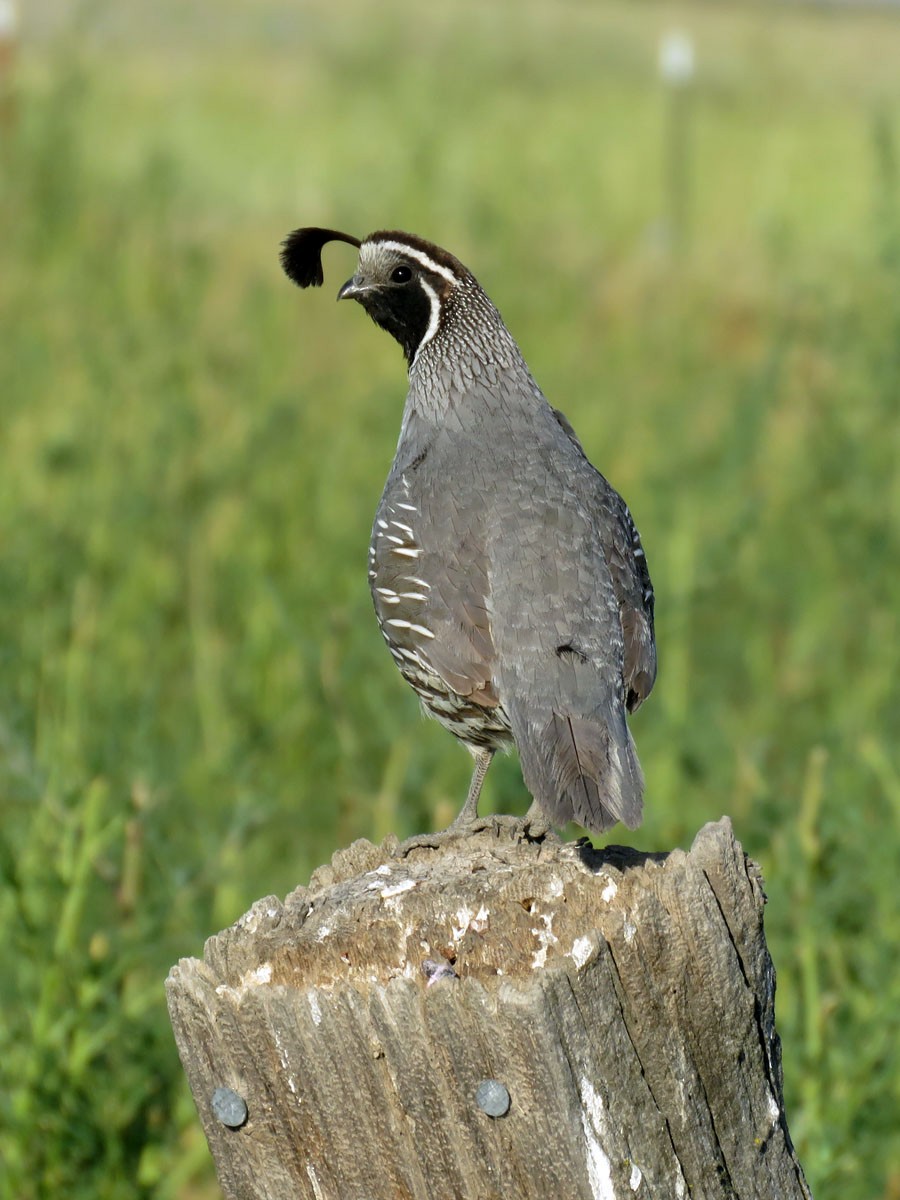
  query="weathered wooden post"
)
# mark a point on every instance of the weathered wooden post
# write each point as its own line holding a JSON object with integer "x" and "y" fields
{"x": 495, "y": 1018}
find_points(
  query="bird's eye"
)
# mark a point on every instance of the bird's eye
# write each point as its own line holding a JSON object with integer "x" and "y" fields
{"x": 401, "y": 275}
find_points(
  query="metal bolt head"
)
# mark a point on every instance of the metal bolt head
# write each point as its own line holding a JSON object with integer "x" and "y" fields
{"x": 229, "y": 1107}
{"x": 492, "y": 1098}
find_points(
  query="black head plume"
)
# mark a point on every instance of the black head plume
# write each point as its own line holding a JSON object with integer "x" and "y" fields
{"x": 301, "y": 254}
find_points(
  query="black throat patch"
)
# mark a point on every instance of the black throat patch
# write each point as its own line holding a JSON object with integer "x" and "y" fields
{"x": 405, "y": 311}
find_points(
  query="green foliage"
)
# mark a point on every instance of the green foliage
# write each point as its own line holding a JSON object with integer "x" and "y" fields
{"x": 195, "y": 705}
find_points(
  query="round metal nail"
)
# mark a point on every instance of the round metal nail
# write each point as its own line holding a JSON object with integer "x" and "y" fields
{"x": 229, "y": 1107}
{"x": 492, "y": 1098}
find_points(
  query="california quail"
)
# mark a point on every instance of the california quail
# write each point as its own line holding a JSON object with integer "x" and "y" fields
{"x": 508, "y": 577}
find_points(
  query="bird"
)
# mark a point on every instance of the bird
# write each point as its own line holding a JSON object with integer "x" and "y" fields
{"x": 508, "y": 576}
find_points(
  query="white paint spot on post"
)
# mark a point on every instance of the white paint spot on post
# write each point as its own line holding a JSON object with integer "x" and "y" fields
{"x": 466, "y": 920}
{"x": 314, "y": 1180}
{"x": 255, "y": 977}
{"x": 581, "y": 951}
{"x": 609, "y": 891}
{"x": 597, "y": 1162}
{"x": 480, "y": 920}
{"x": 636, "y": 1176}
{"x": 398, "y": 889}
{"x": 315, "y": 1009}
{"x": 463, "y": 917}
{"x": 546, "y": 938}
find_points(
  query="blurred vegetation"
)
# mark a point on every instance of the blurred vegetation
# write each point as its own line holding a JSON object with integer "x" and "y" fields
{"x": 195, "y": 705}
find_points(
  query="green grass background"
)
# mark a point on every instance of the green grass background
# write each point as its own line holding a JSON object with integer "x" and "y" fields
{"x": 195, "y": 705}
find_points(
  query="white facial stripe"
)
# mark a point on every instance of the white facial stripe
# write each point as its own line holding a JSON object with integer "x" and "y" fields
{"x": 435, "y": 316}
{"x": 420, "y": 256}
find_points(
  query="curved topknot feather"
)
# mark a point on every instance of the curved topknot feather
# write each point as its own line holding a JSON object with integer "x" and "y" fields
{"x": 301, "y": 254}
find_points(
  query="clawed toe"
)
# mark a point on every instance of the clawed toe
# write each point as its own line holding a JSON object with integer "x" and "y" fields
{"x": 435, "y": 841}
{"x": 533, "y": 827}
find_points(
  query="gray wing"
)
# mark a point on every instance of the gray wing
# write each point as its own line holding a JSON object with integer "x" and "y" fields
{"x": 561, "y": 652}
{"x": 630, "y": 576}
{"x": 429, "y": 585}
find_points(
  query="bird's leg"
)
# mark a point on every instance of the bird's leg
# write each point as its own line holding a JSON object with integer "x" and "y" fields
{"x": 467, "y": 821}
{"x": 535, "y": 826}
{"x": 469, "y": 813}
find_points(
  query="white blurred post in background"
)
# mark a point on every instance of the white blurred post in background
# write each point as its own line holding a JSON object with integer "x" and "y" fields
{"x": 676, "y": 62}
{"x": 9, "y": 27}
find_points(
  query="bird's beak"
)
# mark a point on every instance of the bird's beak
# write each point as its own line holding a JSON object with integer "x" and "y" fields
{"x": 352, "y": 289}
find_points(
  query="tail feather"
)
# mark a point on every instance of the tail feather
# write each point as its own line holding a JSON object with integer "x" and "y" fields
{"x": 584, "y": 769}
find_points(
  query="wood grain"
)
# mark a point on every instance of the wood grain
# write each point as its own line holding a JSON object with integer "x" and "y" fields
{"x": 625, "y": 1000}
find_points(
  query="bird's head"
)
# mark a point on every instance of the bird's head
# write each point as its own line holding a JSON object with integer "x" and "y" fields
{"x": 404, "y": 283}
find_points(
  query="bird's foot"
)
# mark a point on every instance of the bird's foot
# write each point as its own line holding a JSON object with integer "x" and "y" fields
{"x": 536, "y": 825}
{"x": 533, "y": 827}
{"x": 440, "y": 838}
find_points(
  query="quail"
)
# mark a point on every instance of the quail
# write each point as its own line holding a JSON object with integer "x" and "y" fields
{"x": 508, "y": 577}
